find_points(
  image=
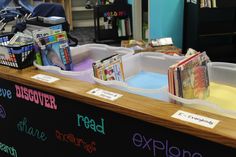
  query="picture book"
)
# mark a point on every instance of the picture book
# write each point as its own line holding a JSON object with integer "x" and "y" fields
{"x": 55, "y": 51}
{"x": 40, "y": 32}
{"x": 194, "y": 77}
{"x": 189, "y": 77}
{"x": 110, "y": 68}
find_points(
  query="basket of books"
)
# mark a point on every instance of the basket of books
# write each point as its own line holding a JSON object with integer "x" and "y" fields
{"x": 210, "y": 86}
{"x": 143, "y": 73}
{"x": 16, "y": 51}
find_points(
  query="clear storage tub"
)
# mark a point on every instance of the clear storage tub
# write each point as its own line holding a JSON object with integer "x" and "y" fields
{"x": 82, "y": 58}
{"x": 145, "y": 74}
{"x": 222, "y": 99}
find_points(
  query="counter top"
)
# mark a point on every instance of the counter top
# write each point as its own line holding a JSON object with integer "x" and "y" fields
{"x": 143, "y": 108}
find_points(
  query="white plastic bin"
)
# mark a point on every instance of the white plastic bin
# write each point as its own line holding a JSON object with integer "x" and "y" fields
{"x": 82, "y": 58}
{"x": 222, "y": 96}
{"x": 148, "y": 71}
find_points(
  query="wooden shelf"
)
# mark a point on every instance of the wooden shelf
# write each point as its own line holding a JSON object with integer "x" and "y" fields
{"x": 80, "y": 9}
{"x": 83, "y": 23}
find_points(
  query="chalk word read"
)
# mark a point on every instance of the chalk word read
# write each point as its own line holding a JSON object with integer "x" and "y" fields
{"x": 22, "y": 127}
{"x": 45, "y": 78}
{"x": 195, "y": 119}
{"x": 104, "y": 94}
{"x": 2, "y": 112}
{"x": 5, "y": 93}
{"x": 36, "y": 97}
{"x": 8, "y": 149}
{"x": 89, "y": 123}
{"x": 79, "y": 142}
{"x": 158, "y": 147}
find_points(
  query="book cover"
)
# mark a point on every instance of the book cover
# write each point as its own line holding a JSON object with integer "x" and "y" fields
{"x": 110, "y": 68}
{"x": 194, "y": 77}
{"x": 55, "y": 51}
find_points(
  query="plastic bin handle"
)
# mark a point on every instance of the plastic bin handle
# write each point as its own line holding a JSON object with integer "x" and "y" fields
{"x": 162, "y": 56}
{"x": 222, "y": 65}
{"x": 122, "y": 50}
{"x": 48, "y": 67}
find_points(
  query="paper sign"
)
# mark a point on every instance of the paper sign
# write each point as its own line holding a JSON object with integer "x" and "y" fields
{"x": 104, "y": 94}
{"x": 195, "y": 119}
{"x": 45, "y": 78}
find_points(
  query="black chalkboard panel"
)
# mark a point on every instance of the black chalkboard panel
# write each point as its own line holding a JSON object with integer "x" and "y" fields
{"x": 37, "y": 123}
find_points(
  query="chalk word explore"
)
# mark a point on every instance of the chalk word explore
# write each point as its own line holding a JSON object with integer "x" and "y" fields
{"x": 2, "y": 112}
{"x": 90, "y": 124}
{"x": 22, "y": 127}
{"x": 159, "y": 147}
{"x": 8, "y": 149}
{"x": 35, "y": 96}
{"x": 5, "y": 93}
{"x": 79, "y": 142}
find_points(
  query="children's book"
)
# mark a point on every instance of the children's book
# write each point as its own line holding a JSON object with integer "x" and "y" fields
{"x": 56, "y": 51}
{"x": 194, "y": 77}
{"x": 189, "y": 78}
{"x": 110, "y": 68}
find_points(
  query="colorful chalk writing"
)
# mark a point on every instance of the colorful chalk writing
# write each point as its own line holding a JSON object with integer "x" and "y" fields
{"x": 161, "y": 146}
{"x": 36, "y": 97}
{"x": 79, "y": 142}
{"x": 2, "y": 112}
{"x": 8, "y": 149}
{"x": 89, "y": 123}
{"x": 5, "y": 93}
{"x": 22, "y": 127}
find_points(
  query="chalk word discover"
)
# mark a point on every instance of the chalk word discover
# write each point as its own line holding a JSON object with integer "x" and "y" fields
{"x": 157, "y": 146}
{"x": 2, "y": 112}
{"x": 22, "y": 127}
{"x": 35, "y": 96}
{"x": 5, "y": 93}
{"x": 79, "y": 142}
{"x": 8, "y": 149}
{"x": 90, "y": 124}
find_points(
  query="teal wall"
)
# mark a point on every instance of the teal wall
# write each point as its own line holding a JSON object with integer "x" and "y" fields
{"x": 130, "y": 1}
{"x": 166, "y": 19}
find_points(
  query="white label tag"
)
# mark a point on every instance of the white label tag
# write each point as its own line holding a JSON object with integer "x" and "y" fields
{"x": 196, "y": 119}
{"x": 45, "y": 78}
{"x": 104, "y": 94}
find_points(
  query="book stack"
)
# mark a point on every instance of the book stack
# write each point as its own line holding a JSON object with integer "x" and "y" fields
{"x": 108, "y": 69}
{"x": 208, "y": 4}
{"x": 189, "y": 78}
{"x": 124, "y": 27}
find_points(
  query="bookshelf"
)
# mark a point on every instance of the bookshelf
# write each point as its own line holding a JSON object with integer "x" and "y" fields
{"x": 211, "y": 29}
{"x": 81, "y": 16}
{"x": 113, "y": 22}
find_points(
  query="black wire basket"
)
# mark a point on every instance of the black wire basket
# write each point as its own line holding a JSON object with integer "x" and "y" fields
{"x": 16, "y": 57}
